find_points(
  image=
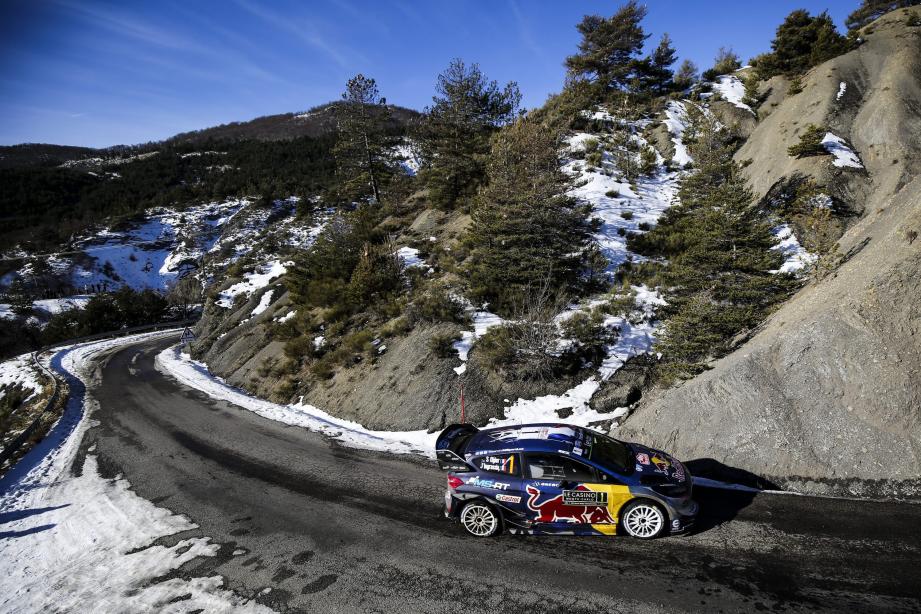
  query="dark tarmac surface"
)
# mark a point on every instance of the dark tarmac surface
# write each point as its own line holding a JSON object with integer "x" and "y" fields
{"x": 334, "y": 529}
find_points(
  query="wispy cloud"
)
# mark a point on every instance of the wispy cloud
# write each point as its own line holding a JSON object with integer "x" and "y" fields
{"x": 524, "y": 30}
{"x": 306, "y": 32}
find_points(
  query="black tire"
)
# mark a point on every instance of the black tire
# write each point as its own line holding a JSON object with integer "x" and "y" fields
{"x": 480, "y": 519}
{"x": 644, "y": 519}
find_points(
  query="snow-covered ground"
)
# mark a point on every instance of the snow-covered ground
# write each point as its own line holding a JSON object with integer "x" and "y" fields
{"x": 180, "y": 366}
{"x": 844, "y": 155}
{"x": 82, "y": 543}
{"x": 731, "y": 88}
{"x": 796, "y": 258}
{"x": 482, "y": 321}
{"x": 20, "y": 371}
{"x": 676, "y": 120}
{"x": 259, "y": 278}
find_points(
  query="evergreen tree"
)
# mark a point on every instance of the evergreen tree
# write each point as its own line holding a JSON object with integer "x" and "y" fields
{"x": 609, "y": 48}
{"x": 376, "y": 276}
{"x": 364, "y": 150}
{"x": 657, "y": 75}
{"x": 19, "y": 298}
{"x": 686, "y": 75}
{"x": 802, "y": 41}
{"x": 871, "y": 10}
{"x": 721, "y": 274}
{"x": 526, "y": 228}
{"x": 456, "y": 131}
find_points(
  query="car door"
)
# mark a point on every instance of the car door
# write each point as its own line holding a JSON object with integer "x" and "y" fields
{"x": 499, "y": 478}
{"x": 566, "y": 493}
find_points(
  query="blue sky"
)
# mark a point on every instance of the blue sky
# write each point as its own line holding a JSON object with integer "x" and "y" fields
{"x": 85, "y": 72}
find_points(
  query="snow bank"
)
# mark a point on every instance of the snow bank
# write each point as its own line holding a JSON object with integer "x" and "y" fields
{"x": 264, "y": 301}
{"x": 181, "y": 367}
{"x": 796, "y": 258}
{"x": 85, "y": 543}
{"x": 732, "y": 90}
{"x": 677, "y": 121}
{"x": 260, "y": 278}
{"x": 844, "y": 155}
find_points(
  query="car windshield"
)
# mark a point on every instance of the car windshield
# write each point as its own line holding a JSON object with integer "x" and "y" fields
{"x": 610, "y": 453}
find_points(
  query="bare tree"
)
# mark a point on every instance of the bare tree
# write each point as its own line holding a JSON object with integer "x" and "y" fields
{"x": 184, "y": 294}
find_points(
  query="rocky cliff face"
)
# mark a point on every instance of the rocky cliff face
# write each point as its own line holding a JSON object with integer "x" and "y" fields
{"x": 830, "y": 388}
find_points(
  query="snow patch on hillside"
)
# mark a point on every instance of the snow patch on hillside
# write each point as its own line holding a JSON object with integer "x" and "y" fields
{"x": 796, "y": 257}
{"x": 844, "y": 155}
{"x": 732, "y": 90}
{"x": 482, "y": 321}
{"x": 261, "y": 277}
{"x": 677, "y": 121}
{"x": 842, "y": 88}
{"x": 21, "y": 371}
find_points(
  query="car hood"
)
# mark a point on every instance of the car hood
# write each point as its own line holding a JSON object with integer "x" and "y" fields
{"x": 656, "y": 465}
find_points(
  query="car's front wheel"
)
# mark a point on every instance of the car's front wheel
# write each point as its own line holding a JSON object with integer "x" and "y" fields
{"x": 479, "y": 519}
{"x": 643, "y": 519}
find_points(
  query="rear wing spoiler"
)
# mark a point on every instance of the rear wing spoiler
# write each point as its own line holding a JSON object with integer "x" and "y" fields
{"x": 450, "y": 445}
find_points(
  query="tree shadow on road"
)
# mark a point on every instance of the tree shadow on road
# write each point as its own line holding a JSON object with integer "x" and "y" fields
{"x": 722, "y": 491}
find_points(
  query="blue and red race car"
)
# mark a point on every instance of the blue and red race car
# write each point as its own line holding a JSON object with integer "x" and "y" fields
{"x": 557, "y": 478}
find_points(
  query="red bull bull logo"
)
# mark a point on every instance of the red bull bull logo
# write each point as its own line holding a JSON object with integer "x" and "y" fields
{"x": 580, "y": 506}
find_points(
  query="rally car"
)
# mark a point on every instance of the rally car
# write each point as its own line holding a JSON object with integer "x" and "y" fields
{"x": 557, "y": 478}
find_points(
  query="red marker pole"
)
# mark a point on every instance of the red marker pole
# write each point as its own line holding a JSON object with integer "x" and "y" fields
{"x": 463, "y": 409}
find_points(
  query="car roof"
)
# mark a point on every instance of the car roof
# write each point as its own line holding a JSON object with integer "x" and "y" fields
{"x": 543, "y": 437}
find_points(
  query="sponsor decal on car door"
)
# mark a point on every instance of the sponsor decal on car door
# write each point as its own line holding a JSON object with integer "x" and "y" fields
{"x": 554, "y": 499}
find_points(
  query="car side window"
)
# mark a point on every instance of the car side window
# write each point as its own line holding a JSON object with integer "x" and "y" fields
{"x": 558, "y": 468}
{"x": 506, "y": 464}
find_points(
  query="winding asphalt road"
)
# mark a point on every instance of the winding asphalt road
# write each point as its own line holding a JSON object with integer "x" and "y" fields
{"x": 334, "y": 529}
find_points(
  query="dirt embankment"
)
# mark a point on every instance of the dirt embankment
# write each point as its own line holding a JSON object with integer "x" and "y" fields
{"x": 830, "y": 388}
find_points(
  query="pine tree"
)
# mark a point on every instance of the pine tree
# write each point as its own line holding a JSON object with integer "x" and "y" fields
{"x": 686, "y": 75}
{"x": 721, "y": 274}
{"x": 20, "y": 299}
{"x": 871, "y": 10}
{"x": 455, "y": 133}
{"x": 801, "y": 42}
{"x": 363, "y": 151}
{"x": 526, "y": 228}
{"x": 376, "y": 276}
{"x": 657, "y": 74}
{"x": 609, "y": 48}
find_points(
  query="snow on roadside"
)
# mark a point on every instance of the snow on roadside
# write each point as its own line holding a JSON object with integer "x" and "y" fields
{"x": 85, "y": 543}
{"x": 844, "y": 155}
{"x": 732, "y": 90}
{"x": 677, "y": 121}
{"x": 173, "y": 363}
{"x": 20, "y": 371}
{"x": 260, "y": 278}
{"x": 796, "y": 258}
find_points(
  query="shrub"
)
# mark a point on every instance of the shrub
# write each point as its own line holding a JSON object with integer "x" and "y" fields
{"x": 627, "y": 215}
{"x": 594, "y": 158}
{"x": 442, "y": 345}
{"x": 810, "y": 143}
{"x": 796, "y": 86}
{"x": 612, "y": 193}
{"x": 436, "y": 305}
{"x": 649, "y": 161}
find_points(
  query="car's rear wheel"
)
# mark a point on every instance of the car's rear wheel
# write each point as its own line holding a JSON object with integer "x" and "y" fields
{"x": 643, "y": 519}
{"x": 479, "y": 519}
